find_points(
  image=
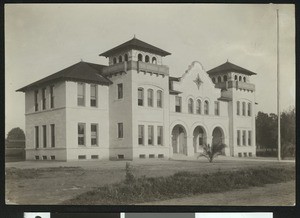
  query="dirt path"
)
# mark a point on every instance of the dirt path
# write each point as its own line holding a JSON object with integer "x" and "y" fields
{"x": 282, "y": 194}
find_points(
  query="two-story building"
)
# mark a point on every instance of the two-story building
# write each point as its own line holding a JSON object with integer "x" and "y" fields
{"x": 134, "y": 109}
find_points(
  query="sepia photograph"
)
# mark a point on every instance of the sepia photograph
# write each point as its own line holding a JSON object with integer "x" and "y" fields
{"x": 150, "y": 104}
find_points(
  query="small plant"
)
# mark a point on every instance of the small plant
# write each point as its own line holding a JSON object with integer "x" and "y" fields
{"x": 129, "y": 177}
{"x": 211, "y": 152}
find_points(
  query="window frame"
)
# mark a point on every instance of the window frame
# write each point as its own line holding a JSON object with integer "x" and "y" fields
{"x": 217, "y": 108}
{"x": 179, "y": 98}
{"x": 198, "y": 106}
{"x": 120, "y": 132}
{"x": 81, "y": 98}
{"x": 141, "y": 135}
{"x": 249, "y": 138}
{"x": 81, "y": 135}
{"x": 52, "y": 135}
{"x": 120, "y": 93}
{"x": 150, "y": 97}
{"x": 151, "y": 136}
{"x": 238, "y": 137}
{"x": 141, "y": 100}
{"x": 238, "y": 106}
{"x": 95, "y": 136}
{"x": 51, "y": 96}
{"x": 36, "y": 100}
{"x": 249, "y": 112}
{"x": 44, "y": 129}
{"x": 244, "y": 137}
{"x": 244, "y": 108}
{"x": 94, "y": 98}
{"x": 44, "y": 98}
{"x": 36, "y": 137}
{"x": 206, "y": 107}
{"x": 160, "y": 135}
{"x": 159, "y": 100}
{"x": 190, "y": 106}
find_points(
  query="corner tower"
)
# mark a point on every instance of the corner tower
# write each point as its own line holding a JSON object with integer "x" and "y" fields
{"x": 138, "y": 101}
{"x": 236, "y": 88}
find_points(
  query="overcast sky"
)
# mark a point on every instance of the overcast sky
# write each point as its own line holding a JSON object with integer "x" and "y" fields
{"x": 41, "y": 39}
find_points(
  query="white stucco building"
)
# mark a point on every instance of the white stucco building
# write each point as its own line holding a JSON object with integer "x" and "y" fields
{"x": 133, "y": 108}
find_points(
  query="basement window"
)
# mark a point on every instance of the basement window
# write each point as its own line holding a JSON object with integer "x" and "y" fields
{"x": 151, "y": 156}
{"x": 37, "y": 157}
{"x": 120, "y": 156}
{"x": 240, "y": 154}
{"x": 94, "y": 157}
{"x": 81, "y": 157}
{"x": 142, "y": 156}
{"x": 160, "y": 156}
{"x": 44, "y": 157}
{"x": 52, "y": 157}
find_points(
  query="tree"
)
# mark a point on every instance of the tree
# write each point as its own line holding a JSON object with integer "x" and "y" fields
{"x": 288, "y": 133}
{"x": 211, "y": 152}
{"x": 16, "y": 134}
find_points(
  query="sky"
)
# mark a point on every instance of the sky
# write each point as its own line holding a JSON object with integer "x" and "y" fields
{"x": 234, "y": 215}
{"x": 41, "y": 39}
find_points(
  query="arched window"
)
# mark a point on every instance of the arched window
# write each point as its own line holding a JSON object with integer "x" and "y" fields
{"x": 217, "y": 108}
{"x": 237, "y": 108}
{"x": 224, "y": 78}
{"x": 154, "y": 60}
{"x": 140, "y": 57}
{"x": 120, "y": 59}
{"x": 191, "y": 106}
{"x": 198, "y": 106}
{"x": 244, "y": 108}
{"x": 159, "y": 98}
{"x": 244, "y": 79}
{"x": 115, "y": 60}
{"x": 150, "y": 97}
{"x": 126, "y": 57}
{"x": 240, "y": 78}
{"x": 214, "y": 80}
{"x": 147, "y": 59}
{"x": 219, "y": 79}
{"x": 206, "y": 107}
{"x": 235, "y": 77}
{"x": 249, "y": 109}
{"x": 140, "y": 96}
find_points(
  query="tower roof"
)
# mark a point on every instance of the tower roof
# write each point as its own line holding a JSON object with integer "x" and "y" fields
{"x": 135, "y": 43}
{"x": 229, "y": 67}
{"x": 81, "y": 71}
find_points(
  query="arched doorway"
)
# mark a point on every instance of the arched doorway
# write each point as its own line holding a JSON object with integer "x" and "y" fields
{"x": 199, "y": 139}
{"x": 179, "y": 140}
{"x": 218, "y": 137}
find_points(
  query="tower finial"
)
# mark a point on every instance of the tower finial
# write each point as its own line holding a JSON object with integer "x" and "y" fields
{"x": 134, "y": 36}
{"x": 227, "y": 59}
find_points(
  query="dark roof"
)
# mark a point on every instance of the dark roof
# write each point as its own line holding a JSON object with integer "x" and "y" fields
{"x": 135, "y": 44}
{"x": 81, "y": 71}
{"x": 177, "y": 79}
{"x": 230, "y": 67}
{"x": 174, "y": 92}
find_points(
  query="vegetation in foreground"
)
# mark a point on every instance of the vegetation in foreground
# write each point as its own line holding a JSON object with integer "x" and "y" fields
{"x": 181, "y": 184}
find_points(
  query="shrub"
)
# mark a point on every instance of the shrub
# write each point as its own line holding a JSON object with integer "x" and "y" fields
{"x": 211, "y": 152}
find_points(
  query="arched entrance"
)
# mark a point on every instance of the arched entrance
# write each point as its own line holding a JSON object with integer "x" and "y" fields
{"x": 179, "y": 140}
{"x": 199, "y": 139}
{"x": 218, "y": 137}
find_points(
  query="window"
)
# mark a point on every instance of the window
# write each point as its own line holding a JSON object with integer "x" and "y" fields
{"x": 126, "y": 57}
{"x": 94, "y": 156}
{"x": 140, "y": 57}
{"x": 240, "y": 154}
{"x": 51, "y": 96}
{"x": 150, "y": 97}
{"x": 214, "y": 80}
{"x": 245, "y": 154}
{"x": 160, "y": 155}
{"x": 80, "y": 94}
{"x": 37, "y": 138}
{"x": 151, "y": 155}
{"x": 244, "y": 137}
{"x": 177, "y": 104}
{"x": 44, "y": 157}
{"x": 219, "y": 79}
{"x": 120, "y": 91}
{"x": 249, "y": 138}
{"x": 142, "y": 156}
{"x": 191, "y": 106}
{"x": 44, "y": 98}
{"x": 140, "y": 96}
{"x": 160, "y": 135}
{"x": 94, "y": 134}
{"x": 121, "y": 156}
{"x": 93, "y": 95}
{"x": 217, "y": 108}
{"x": 52, "y": 135}
{"x": 81, "y": 134}
{"x": 198, "y": 107}
{"x": 249, "y": 109}
{"x": 147, "y": 59}
{"x": 244, "y": 108}
{"x": 224, "y": 78}
{"x": 159, "y": 98}
{"x": 235, "y": 77}
{"x": 154, "y": 61}
{"x": 44, "y": 136}
{"x": 206, "y": 107}
{"x": 52, "y": 157}
{"x": 244, "y": 79}
{"x": 36, "y": 103}
{"x": 141, "y": 135}
{"x": 120, "y": 59}
{"x": 115, "y": 60}
{"x": 120, "y": 130}
{"x": 37, "y": 157}
{"x": 250, "y": 154}
{"x": 201, "y": 138}
{"x": 238, "y": 137}
{"x": 237, "y": 108}
{"x": 81, "y": 157}
{"x": 240, "y": 78}
{"x": 150, "y": 135}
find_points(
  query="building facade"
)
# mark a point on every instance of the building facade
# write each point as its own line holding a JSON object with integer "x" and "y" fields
{"x": 134, "y": 109}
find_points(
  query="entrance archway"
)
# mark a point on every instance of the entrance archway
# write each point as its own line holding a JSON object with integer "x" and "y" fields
{"x": 179, "y": 140}
{"x": 218, "y": 137}
{"x": 199, "y": 138}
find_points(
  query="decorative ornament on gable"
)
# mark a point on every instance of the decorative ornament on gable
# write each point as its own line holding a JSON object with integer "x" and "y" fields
{"x": 198, "y": 81}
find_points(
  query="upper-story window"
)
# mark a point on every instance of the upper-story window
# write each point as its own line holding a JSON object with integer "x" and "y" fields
{"x": 198, "y": 106}
{"x": 43, "y": 98}
{"x": 154, "y": 61}
{"x": 219, "y": 79}
{"x": 140, "y": 96}
{"x": 237, "y": 108}
{"x": 126, "y": 57}
{"x": 244, "y": 79}
{"x": 120, "y": 130}
{"x": 244, "y": 108}
{"x": 249, "y": 109}
{"x": 141, "y": 134}
{"x": 214, "y": 80}
{"x": 94, "y": 134}
{"x": 81, "y": 133}
{"x": 235, "y": 77}
{"x": 177, "y": 104}
{"x": 140, "y": 57}
{"x": 191, "y": 106}
{"x": 114, "y": 60}
{"x": 206, "y": 107}
{"x": 120, "y": 90}
{"x": 80, "y": 94}
{"x": 147, "y": 59}
{"x": 240, "y": 78}
{"x": 150, "y": 97}
{"x": 159, "y": 98}
{"x": 224, "y": 78}
{"x": 93, "y": 95}
{"x": 36, "y": 103}
{"x": 217, "y": 108}
{"x": 52, "y": 96}
{"x": 120, "y": 59}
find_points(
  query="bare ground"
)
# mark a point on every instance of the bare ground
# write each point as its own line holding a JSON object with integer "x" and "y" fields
{"x": 54, "y": 182}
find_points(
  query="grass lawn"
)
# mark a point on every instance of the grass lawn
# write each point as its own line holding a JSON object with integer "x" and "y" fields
{"x": 56, "y": 182}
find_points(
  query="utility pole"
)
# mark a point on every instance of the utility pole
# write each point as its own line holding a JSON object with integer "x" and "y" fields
{"x": 278, "y": 91}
